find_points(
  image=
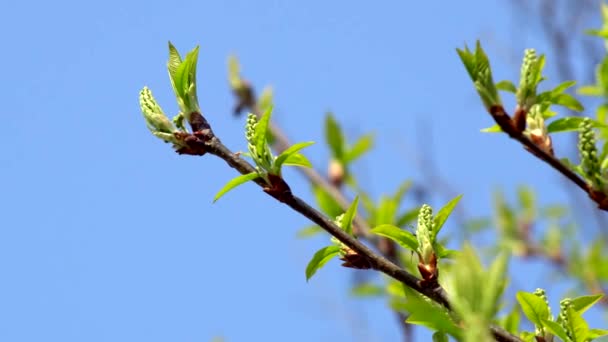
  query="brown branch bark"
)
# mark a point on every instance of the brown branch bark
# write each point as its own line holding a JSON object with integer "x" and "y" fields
{"x": 507, "y": 125}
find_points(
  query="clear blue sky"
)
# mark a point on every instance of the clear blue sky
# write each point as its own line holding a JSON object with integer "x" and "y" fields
{"x": 107, "y": 235}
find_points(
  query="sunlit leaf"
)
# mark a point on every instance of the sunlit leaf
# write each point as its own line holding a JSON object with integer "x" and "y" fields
{"x": 334, "y": 137}
{"x": 297, "y": 159}
{"x": 506, "y": 86}
{"x": 444, "y": 213}
{"x": 235, "y": 182}
{"x": 359, "y": 148}
{"x": 320, "y": 258}
{"x": 289, "y": 152}
{"x": 404, "y": 238}
{"x": 349, "y": 216}
{"x": 533, "y": 307}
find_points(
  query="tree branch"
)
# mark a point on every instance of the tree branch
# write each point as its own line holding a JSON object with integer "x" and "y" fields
{"x": 506, "y": 124}
{"x": 203, "y": 141}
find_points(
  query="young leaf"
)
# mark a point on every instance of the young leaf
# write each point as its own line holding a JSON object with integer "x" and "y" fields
{"x": 297, "y": 159}
{"x": 443, "y": 214}
{"x": 595, "y": 333}
{"x": 506, "y": 86}
{"x": 367, "y": 290}
{"x": 428, "y": 314}
{"x": 334, "y": 137}
{"x": 577, "y": 325}
{"x": 174, "y": 61}
{"x": 511, "y": 321}
{"x": 404, "y": 238}
{"x": 309, "y": 231}
{"x": 359, "y": 148}
{"x": 261, "y": 131}
{"x": 320, "y": 258}
{"x": 533, "y": 307}
{"x": 568, "y": 101}
{"x": 290, "y": 151}
{"x": 349, "y": 215}
{"x": 555, "y": 329}
{"x": 234, "y": 183}
{"x": 493, "y": 129}
{"x": 571, "y": 123}
{"x": 581, "y": 304}
{"x": 326, "y": 203}
{"x": 408, "y": 217}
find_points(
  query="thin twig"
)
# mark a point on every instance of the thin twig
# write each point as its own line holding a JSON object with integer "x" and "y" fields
{"x": 506, "y": 124}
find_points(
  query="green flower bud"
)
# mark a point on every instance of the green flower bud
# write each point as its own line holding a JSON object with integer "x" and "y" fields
{"x": 564, "y": 305}
{"x": 424, "y": 233}
{"x": 529, "y": 79}
{"x": 588, "y": 152}
{"x": 156, "y": 120}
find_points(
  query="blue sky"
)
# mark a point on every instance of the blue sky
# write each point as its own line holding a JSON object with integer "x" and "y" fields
{"x": 108, "y": 235}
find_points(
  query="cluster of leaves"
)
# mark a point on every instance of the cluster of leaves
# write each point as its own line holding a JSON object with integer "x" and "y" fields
{"x": 182, "y": 74}
{"x": 569, "y": 326}
{"x": 266, "y": 163}
{"x": 534, "y": 109}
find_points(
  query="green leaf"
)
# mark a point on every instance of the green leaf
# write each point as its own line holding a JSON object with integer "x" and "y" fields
{"x": 360, "y": 147}
{"x": 590, "y": 90}
{"x": 511, "y": 321}
{"x": 297, "y": 159}
{"x": 568, "y": 101}
{"x": 492, "y": 129}
{"x": 290, "y": 151}
{"x": 174, "y": 61}
{"x": 595, "y": 333}
{"x": 563, "y": 86}
{"x": 404, "y": 238}
{"x": 533, "y": 307}
{"x": 578, "y": 325}
{"x": 261, "y": 131}
{"x": 581, "y": 304}
{"x": 443, "y": 252}
{"x": 408, "y": 216}
{"x": 367, "y": 290}
{"x": 429, "y": 314}
{"x": 349, "y": 215}
{"x": 571, "y": 123}
{"x": 334, "y": 137}
{"x": 309, "y": 231}
{"x": 506, "y": 86}
{"x": 443, "y": 214}
{"x": 555, "y": 329}
{"x": 236, "y": 182}
{"x": 321, "y": 257}
{"x": 326, "y": 202}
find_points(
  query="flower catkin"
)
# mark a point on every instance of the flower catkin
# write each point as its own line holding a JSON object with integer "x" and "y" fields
{"x": 588, "y": 152}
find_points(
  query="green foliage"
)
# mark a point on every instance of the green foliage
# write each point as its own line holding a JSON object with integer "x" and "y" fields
{"x": 320, "y": 258}
{"x": 341, "y": 152}
{"x": 242, "y": 179}
{"x": 182, "y": 74}
{"x": 477, "y": 65}
{"x": 476, "y": 293}
{"x": 402, "y": 237}
{"x": 430, "y": 314}
{"x": 257, "y": 134}
{"x": 344, "y": 221}
{"x": 569, "y": 325}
